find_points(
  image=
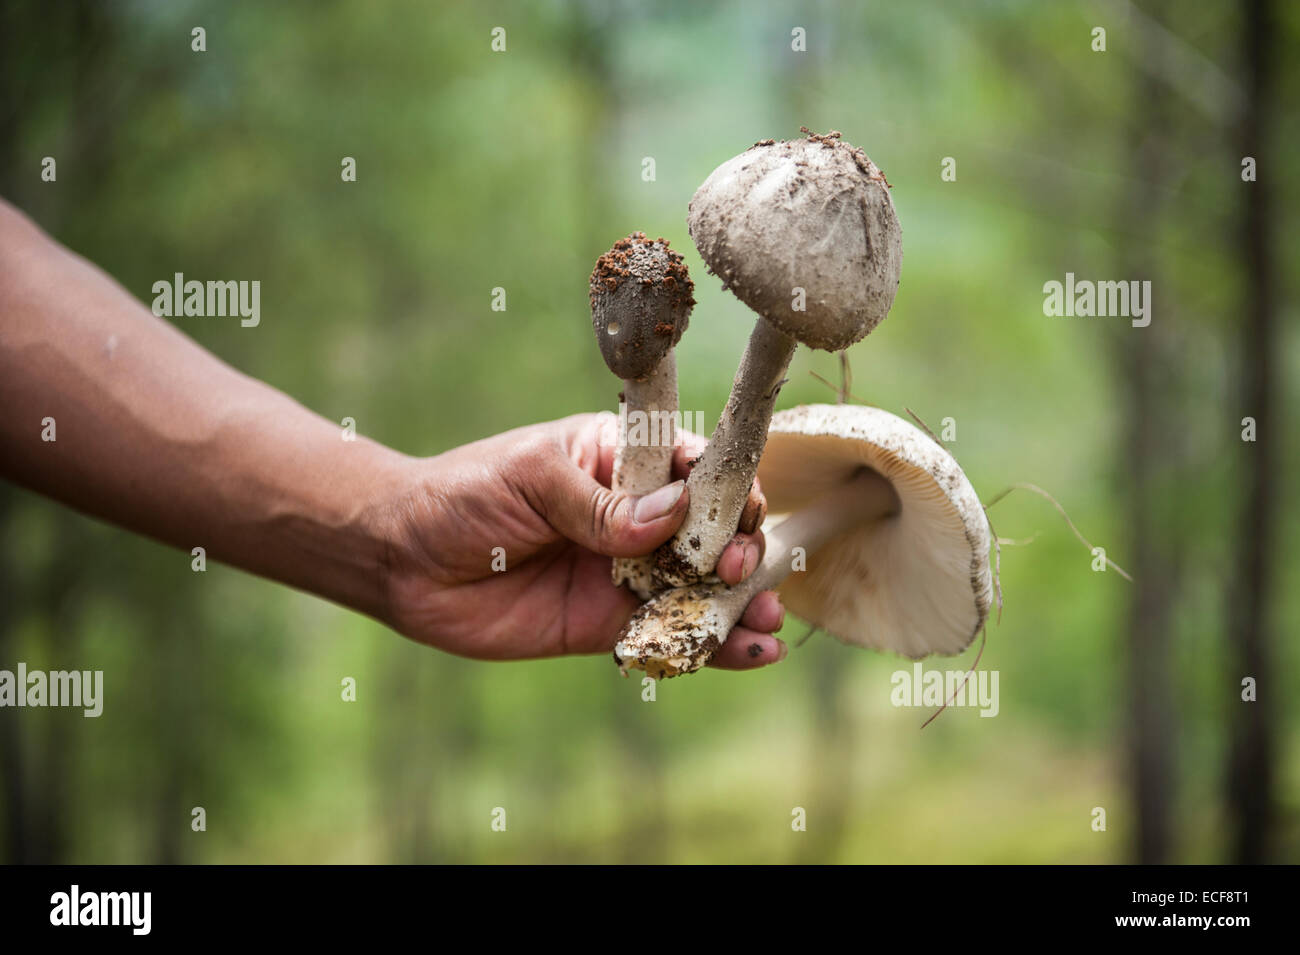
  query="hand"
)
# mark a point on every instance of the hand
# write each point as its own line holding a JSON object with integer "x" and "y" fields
{"x": 541, "y": 494}
{"x": 168, "y": 441}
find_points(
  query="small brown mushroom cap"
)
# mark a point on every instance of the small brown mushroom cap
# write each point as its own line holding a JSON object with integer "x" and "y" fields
{"x": 810, "y": 213}
{"x": 641, "y": 300}
{"x": 915, "y": 582}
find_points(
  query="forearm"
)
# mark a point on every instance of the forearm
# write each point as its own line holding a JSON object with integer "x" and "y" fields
{"x": 157, "y": 435}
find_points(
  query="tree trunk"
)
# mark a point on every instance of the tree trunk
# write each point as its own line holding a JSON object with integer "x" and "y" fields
{"x": 1250, "y": 769}
{"x": 1150, "y": 426}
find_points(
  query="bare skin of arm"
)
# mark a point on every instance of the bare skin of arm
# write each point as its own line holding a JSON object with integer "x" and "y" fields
{"x": 157, "y": 435}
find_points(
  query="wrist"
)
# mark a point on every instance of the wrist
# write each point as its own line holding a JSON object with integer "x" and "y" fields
{"x": 330, "y": 521}
{"x": 372, "y": 536}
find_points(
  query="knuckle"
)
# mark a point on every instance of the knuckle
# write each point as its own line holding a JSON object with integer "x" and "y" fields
{"x": 602, "y": 509}
{"x": 536, "y": 452}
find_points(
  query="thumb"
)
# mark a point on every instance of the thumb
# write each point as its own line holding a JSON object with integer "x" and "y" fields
{"x": 607, "y": 522}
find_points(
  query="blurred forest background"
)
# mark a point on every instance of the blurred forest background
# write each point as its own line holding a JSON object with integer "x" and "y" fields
{"x": 478, "y": 169}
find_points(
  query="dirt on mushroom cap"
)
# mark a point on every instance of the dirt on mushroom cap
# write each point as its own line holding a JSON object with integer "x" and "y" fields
{"x": 641, "y": 296}
{"x": 811, "y": 214}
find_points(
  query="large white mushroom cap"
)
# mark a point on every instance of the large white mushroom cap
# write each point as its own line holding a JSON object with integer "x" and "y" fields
{"x": 915, "y": 582}
{"x": 813, "y": 214}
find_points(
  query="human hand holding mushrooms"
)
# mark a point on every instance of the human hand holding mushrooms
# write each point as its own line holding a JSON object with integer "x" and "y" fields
{"x": 875, "y": 536}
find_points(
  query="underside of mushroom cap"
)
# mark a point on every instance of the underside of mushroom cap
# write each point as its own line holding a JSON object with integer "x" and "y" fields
{"x": 641, "y": 300}
{"x": 916, "y": 582}
{"x": 812, "y": 214}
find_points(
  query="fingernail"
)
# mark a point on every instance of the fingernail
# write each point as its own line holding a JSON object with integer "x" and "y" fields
{"x": 751, "y": 561}
{"x": 658, "y": 503}
{"x": 782, "y": 651}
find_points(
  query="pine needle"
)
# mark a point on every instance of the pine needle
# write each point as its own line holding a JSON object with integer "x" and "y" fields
{"x": 997, "y": 564}
{"x": 924, "y": 427}
{"x": 1060, "y": 510}
{"x": 834, "y": 388}
{"x": 984, "y": 638}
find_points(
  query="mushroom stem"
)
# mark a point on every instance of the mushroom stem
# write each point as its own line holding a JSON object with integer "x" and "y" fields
{"x": 865, "y": 497}
{"x": 644, "y": 459}
{"x": 720, "y": 481}
{"x": 680, "y": 630}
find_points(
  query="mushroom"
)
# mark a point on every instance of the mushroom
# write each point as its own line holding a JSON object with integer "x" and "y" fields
{"x": 895, "y": 541}
{"x": 804, "y": 233}
{"x": 640, "y": 306}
